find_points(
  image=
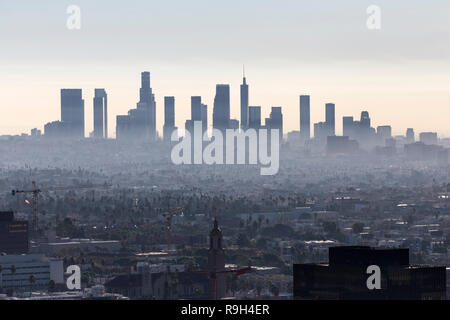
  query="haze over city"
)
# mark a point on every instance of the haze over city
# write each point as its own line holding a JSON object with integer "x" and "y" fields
{"x": 400, "y": 73}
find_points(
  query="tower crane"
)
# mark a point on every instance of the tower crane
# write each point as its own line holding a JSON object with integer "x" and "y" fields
{"x": 169, "y": 215}
{"x": 35, "y": 191}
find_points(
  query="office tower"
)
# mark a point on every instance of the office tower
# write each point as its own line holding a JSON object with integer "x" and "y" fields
{"x": 204, "y": 117}
{"x": 428, "y": 137}
{"x": 346, "y": 277}
{"x": 147, "y": 107}
{"x": 196, "y": 108}
{"x": 100, "y": 114}
{"x": 365, "y": 120}
{"x": 305, "y": 118}
{"x": 384, "y": 132}
{"x": 244, "y": 103}
{"x": 13, "y": 234}
{"x": 330, "y": 118}
{"x": 169, "y": 117}
{"x": 221, "y": 111}
{"x": 254, "y": 117}
{"x": 275, "y": 121}
{"x": 72, "y": 112}
{"x": 140, "y": 123}
{"x": 410, "y": 135}
{"x": 348, "y": 126}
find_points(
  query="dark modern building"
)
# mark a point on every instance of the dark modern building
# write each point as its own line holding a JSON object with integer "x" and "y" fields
{"x": 345, "y": 276}
{"x": 276, "y": 120}
{"x": 13, "y": 234}
{"x": 100, "y": 114}
{"x": 244, "y": 103}
{"x": 72, "y": 112}
{"x": 254, "y": 117}
{"x": 305, "y": 118}
{"x": 169, "y": 117}
{"x": 221, "y": 111}
{"x": 330, "y": 118}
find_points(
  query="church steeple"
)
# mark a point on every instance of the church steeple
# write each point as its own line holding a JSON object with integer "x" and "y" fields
{"x": 215, "y": 237}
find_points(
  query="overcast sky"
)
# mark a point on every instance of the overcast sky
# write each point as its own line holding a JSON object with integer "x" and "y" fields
{"x": 400, "y": 73}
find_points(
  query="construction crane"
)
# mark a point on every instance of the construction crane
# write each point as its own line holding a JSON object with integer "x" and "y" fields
{"x": 169, "y": 215}
{"x": 213, "y": 277}
{"x": 35, "y": 192}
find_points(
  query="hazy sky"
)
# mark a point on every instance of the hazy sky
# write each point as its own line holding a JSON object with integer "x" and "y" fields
{"x": 400, "y": 74}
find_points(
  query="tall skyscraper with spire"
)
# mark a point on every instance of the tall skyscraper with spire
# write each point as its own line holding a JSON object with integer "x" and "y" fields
{"x": 244, "y": 102}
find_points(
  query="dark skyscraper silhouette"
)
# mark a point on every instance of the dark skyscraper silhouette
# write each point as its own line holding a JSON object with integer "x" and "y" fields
{"x": 100, "y": 114}
{"x": 169, "y": 117}
{"x": 199, "y": 112}
{"x": 330, "y": 118}
{"x": 196, "y": 108}
{"x": 221, "y": 112}
{"x": 254, "y": 117}
{"x": 244, "y": 103}
{"x": 72, "y": 112}
{"x": 305, "y": 118}
{"x": 140, "y": 123}
{"x": 148, "y": 104}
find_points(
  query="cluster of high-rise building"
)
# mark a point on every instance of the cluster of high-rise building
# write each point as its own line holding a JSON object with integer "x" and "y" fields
{"x": 140, "y": 122}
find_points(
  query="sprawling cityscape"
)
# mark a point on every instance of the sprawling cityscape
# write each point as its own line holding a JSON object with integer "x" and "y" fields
{"x": 202, "y": 154}
{"x": 140, "y": 227}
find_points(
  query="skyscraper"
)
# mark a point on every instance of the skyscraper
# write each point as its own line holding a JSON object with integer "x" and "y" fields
{"x": 169, "y": 117}
{"x": 148, "y": 105}
{"x": 221, "y": 111}
{"x": 140, "y": 123}
{"x": 204, "y": 117}
{"x": 330, "y": 118}
{"x": 100, "y": 114}
{"x": 276, "y": 120}
{"x": 410, "y": 135}
{"x": 305, "y": 118}
{"x": 72, "y": 112}
{"x": 244, "y": 103}
{"x": 196, "y": 108}
{"x": 254, "y": 117}
{"x": 348, "y": 126}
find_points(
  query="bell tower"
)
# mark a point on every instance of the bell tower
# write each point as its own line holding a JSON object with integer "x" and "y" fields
{"x": 216, "y": 263}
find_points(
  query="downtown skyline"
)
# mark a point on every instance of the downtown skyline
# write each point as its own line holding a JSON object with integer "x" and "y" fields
{"x": 398, "y": 73}
{"x": 319, "y": 112}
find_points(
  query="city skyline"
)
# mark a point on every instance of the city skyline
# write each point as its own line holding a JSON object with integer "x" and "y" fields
{"x": 323, "y": 50}
{"x": 146, "y": 93}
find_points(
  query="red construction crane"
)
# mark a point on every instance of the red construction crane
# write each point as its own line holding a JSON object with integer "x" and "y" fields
{"x": 35, "y": 191}
{"x": 213, "y": 277}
